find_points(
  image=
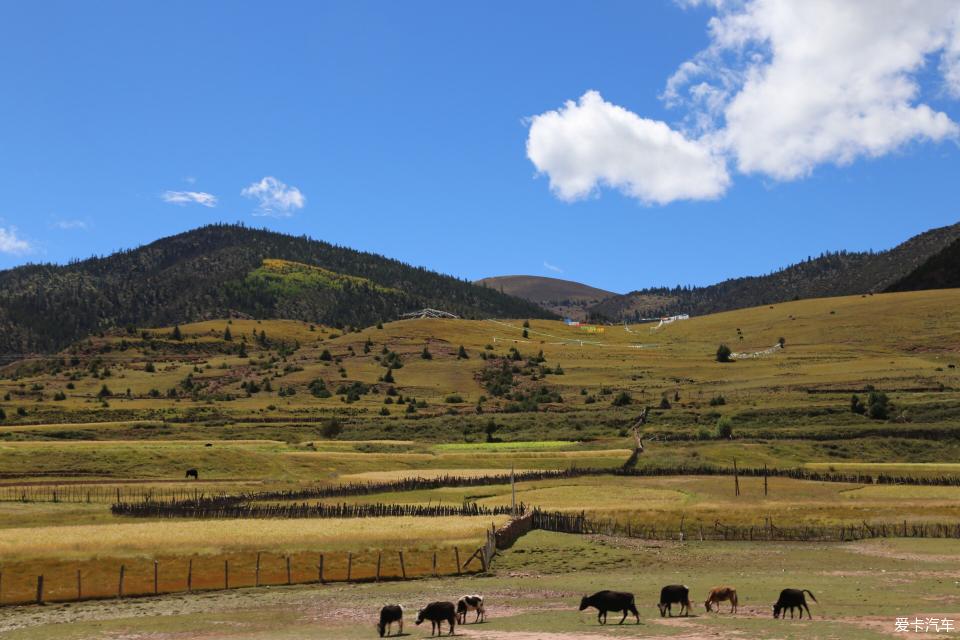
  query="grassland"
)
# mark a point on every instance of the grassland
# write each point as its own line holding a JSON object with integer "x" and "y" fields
{"x": 536, "y": 586}
{"x": 285, "y": 404}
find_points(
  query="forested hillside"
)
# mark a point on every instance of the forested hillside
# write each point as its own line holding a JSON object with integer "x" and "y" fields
{"x": 220, "y": 270}
{"x": 831, "y": 274}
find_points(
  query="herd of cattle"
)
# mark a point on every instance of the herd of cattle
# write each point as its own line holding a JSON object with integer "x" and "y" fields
{"x": 603, "y": 601}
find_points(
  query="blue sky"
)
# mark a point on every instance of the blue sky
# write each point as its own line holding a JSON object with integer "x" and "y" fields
{"x": 403, "y": 128}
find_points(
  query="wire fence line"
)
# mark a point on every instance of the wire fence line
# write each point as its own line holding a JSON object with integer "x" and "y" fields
{"x": 116, "y": 495}
{"x": 579, "y": 523}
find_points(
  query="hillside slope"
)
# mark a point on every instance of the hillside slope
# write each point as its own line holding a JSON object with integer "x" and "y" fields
{"x": 831, "y": 274}
{"x": 218, "y": 271}
{"x": 563, "y": 297}
{"x": 941, "y": 271}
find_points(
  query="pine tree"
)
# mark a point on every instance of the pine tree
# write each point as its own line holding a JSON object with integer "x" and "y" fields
{"x": 462, "y": 353}
{"x": 227, "y": 335}
{"x": 175, "y": 334}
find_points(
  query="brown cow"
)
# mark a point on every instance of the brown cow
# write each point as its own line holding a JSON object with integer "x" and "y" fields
{"x": 721, "y": 594}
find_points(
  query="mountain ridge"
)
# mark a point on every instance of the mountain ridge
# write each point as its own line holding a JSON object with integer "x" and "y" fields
{"x": 831, "y": 274}
{"x": 206, "y": 272}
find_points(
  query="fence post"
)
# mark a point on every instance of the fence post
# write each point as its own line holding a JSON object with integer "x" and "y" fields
{"x": 258, "y": 570}
{"x": 79, "y": 586}
{"x": 40, "y": 589}
{"x": 764, "y": 481}
{"x": 226, "y": 574}
{"x": 289, "y": 581}
{"x": 156, "y": 577}
{"x": 320, "y": 570}
{"x": 434, "y": 564}
{"x": 379, "y": 556}
{"x": 349, "y": 565}
{"x": 403, "y": 568}
{"x": 123, "y": 570}
{"x": 190, "y": 575}
{"x": 456, "y": 551}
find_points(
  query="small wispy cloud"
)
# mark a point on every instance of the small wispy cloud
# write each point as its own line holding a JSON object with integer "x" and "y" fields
{"x": 274, "y": 198}
{"x": 552, "y": 267}
{"x": 190, "y": 180}
{"x": 190, "y": 197}
{"x": 13, "y": 244}
{"x": 69, "y": 225}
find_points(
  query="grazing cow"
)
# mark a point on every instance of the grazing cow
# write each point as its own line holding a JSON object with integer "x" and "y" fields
{"x": 721, "y": 594}
{"x": 192, "y": 473}
{"x": 388, "y": 615}
{"x": 605, "y": 601}
{"x": 791, "y": 599}
{"x": 437, "y": 613}
{"x": 470, "y": 603}
{"x": 674, "y": 594}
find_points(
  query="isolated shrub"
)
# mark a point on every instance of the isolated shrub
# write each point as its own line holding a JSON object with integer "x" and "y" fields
{"x": 490, "y": 430}
{"x": 453, "y": 399}
{"x": 622, "y": 399}
{"x": 149, "y": 367}
{"x": 717, "y": 400}
{"x": 425, "y": 354}
{"x": 703, "y": 433}
{"x": 331, "y": 429}
{"x": 525, "y": 334}
{"x": 175, "y": 334}
{"x": 384, "y": 411}
{"x": 59, "y": 395}
{"x": 3, "y": 414}
{"x": 724, "y": 428}
{"x": 664, "y": 403}
{"x": 856, "y": 406}
{"x": 104, "y": 392}
{"x": 21, "y": 411}
{"x": 462, "y": 353}
{"x": 388, "y": 376}
{"x": 227, "y": 335}
{"x": 318, "y": 388}
{"x": 723, "y": 353}
{"x": 878, "y": 405}
{"x": 782, "y": 342}
{"x": 526, "y": 324}
{"x": 326, "y": 356}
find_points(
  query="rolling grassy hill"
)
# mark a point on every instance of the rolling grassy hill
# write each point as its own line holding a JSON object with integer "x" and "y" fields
{"x": 563, "y": 297}
{"x": 287, "y": 380}
{"x": 226, "y": 270}
{"x": 926, "y": 261}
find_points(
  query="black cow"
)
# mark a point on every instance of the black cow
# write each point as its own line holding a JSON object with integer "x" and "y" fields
{"x": 605, "y": 601}
{"x": 471, "y": 603}
{"x": 674, "y": 594}
{"x": 388, "y": 615}
{"x": 192, "y": 473}
{"x": 793, "y": 599}
{"x": 437, "y": 613}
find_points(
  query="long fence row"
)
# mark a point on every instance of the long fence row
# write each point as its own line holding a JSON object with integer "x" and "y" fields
{"x": 64, "y": 581}
{"x": 768, "y": 532}
{"x": 232, "y": 508}
{"x": 88, "y": 493}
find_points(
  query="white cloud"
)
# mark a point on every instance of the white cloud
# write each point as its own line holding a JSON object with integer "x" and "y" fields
{"x": 552, "y": 267}
{"x": 785, "y": 87}
{"x": 190, "y": 197}
{"x": 11, "y": 243}
{"x": 275, "y": 198}
{"x": 782, "y": 88}
{"x": 593, "y": 143}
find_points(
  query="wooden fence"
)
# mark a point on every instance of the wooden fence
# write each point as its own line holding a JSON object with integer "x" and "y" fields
{"x": 88, "y": 493}
{"x": 766, "y": 532}
{"x": 234, "y": 508}
{"x": 64, "y": 581}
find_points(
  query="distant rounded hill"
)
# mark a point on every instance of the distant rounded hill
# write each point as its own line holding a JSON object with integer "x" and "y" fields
{"x": 563, "y": 297}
